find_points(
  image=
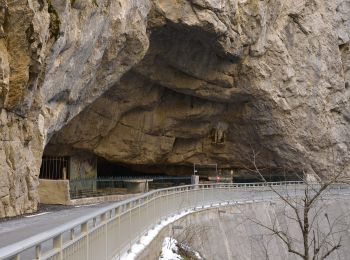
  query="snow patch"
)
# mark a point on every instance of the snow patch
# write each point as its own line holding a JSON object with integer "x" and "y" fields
{"x": 145, "y": 240}
{"x": 171, "y": 248}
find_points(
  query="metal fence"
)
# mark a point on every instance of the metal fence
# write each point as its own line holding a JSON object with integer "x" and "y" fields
{"x": 93, "y": 187}
{"x": 111, "y": 231}
{"x": 54, "y": 168}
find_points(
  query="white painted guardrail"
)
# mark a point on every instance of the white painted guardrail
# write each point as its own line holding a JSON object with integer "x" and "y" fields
{"x": 110, "y": 232}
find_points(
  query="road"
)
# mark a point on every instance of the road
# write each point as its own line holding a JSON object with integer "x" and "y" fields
{"x": 18, "y": 229}
{"x": 14, "y": 230}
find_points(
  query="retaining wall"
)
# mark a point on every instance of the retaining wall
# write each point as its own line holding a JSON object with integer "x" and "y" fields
{"x": 228, "y": 233}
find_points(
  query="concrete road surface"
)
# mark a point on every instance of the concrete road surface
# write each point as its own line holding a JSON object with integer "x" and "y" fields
{"x": 17, "y": 229}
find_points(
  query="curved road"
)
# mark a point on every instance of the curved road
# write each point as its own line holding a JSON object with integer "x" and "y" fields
{"x": 14, "y": 230}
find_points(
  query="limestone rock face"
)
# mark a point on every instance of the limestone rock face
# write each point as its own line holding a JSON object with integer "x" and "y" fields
{"x": 269, "y": 77}
{"x": 56, "y": 57}
{"x": 167, "y": 83}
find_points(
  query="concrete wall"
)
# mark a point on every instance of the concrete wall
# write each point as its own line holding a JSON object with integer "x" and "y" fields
{"x": 83, "y": 165}
{"x": 57, "y": 192}
{"x": 54, "y": 191}
{"x": 228, "y": 233}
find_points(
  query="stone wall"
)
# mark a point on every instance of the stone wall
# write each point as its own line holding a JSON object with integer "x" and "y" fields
{"x": 54, "y": 192}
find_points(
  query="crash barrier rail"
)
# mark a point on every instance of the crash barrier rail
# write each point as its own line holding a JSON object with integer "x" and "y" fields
{"x": 110, "y": 232}
{"x": 93, "y": 187}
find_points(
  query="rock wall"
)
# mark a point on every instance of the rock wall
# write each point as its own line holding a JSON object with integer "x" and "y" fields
{"x": 270, "y": 77}
{"x": 172, "y": 82}
{"x": 56, "y": 57}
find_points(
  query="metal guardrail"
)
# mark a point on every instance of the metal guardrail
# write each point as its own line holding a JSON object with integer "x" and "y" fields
{"x": 93, "y": 187}
{"x": 111, "y": 231}
{"x": 122, "y": 178}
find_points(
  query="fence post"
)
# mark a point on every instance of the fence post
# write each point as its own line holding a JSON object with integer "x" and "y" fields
{"x": 38, "y": 251}
{"x": 130, "y": 225}
{"x": 195, "y": 197}
{"x": 187, "y": 199}
{"x": 119, "y": 209}
{"x": 155, "y": 198}
{"x": 104, "y": 221}
{"x": 167, "y": 203}
{"x": 139, "y": 221}
{"x": 203, "y": 196}
{"x": 84, "y": 229}
{"x": 147, "y": 211}
{"x": 57, "y": 244}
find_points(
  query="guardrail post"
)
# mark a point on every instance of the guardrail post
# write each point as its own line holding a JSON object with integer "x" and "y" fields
{"x": 194, "y": 203}
{"x": 38, "y": 251}
{"x": 155, "y": 198}
{"x": 84, "y": 229}
{"x": 147, "y": 212}
{"x": 104, "y": 221}
{"x": 72, "y": 234}
{"x": 57, "y": 244}
{"x": 213, "y": 193}
{"x": 130, "y": 206}
{"x": 167, "y": 203}
{"x": 139, "y": 221}
{"x": 203, "y": 196}
{"x": 119, "y": 211}
{"x": 188, "y": 203}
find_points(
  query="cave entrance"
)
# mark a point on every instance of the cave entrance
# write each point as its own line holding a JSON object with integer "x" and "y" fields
{"x": 155, "y": 177}
{"x": 109, "y": 169}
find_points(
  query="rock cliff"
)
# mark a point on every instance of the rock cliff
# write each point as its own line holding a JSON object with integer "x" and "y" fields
{"x": 170, "y": 82}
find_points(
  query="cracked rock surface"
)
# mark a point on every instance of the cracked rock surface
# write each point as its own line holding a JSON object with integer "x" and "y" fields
{"x": 166, "y": 83}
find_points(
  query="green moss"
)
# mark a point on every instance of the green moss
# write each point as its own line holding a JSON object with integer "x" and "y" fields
{"x": 54, "y": 21}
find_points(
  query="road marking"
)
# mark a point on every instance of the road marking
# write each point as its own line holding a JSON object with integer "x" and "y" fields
{"x": 39, "y": 214}
{"x": 87, "y": 205}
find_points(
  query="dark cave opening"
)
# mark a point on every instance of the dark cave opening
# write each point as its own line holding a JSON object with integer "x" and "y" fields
{"x": 110, "y": 169}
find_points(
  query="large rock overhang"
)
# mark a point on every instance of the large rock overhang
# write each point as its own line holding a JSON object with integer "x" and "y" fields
{"x": 168, "y": 110}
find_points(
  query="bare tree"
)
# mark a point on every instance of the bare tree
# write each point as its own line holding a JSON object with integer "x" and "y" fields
{"x": 319, "y": 236}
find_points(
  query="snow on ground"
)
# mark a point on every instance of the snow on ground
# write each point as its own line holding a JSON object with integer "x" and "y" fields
{"x": 145, "y": 240}
{"x": 170, "y": 250}
{"x": 193, "y": 252}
